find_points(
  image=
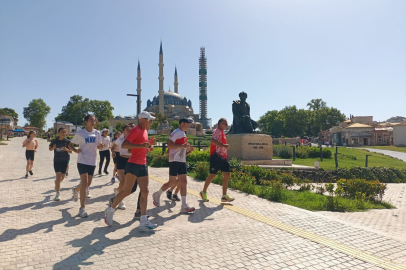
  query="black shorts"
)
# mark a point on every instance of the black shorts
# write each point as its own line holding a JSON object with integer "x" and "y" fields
{"x": 115, "y": 159}
{"x": 218, "y": 164}
{"x": 136, "y": 169}
{"x": 83, "y": 168}
{"x": 60, "y": 166}
{"x": 29, "y": 154}
{"x": 177, "y": 168}
{"x": 122, "y": 161}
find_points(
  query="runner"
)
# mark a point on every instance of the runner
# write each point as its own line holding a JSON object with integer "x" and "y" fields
{"x": 67, "y": 168}
{"x": 218, "y": 161}
{"x": 105, "y": 152}
{"x": 115, "y": 153}
{"x": 61, "y": 159}
{"x": 31, "y": 145}
{"x": 123, "y": 156}
{"x": 136, "y": 169}
{"x": 88, "y": 140}
{"x": 179, "y": 148}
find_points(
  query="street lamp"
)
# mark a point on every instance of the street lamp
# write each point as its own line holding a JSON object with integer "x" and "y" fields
{"x": 138, "y": 102}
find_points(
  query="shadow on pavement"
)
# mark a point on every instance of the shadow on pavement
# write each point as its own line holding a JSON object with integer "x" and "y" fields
{"x": 201, "y": 213}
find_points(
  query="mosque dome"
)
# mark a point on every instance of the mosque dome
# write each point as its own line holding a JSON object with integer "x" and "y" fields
{"x": 119, "y": 117}
{"x": 172, "y": 95}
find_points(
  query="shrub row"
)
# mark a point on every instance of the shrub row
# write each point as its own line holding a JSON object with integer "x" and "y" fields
{"x": 286, "y": 152}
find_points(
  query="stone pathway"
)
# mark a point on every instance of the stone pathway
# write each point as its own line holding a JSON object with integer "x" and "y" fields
{"x": 38, "y": 233}
{"x": 395, "y": 154}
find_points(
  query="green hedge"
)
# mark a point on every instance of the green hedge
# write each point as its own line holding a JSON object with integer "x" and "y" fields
{"x": 286, "y": 152}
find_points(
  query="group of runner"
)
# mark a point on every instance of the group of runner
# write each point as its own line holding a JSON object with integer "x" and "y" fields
{"x": 129, "y": 151}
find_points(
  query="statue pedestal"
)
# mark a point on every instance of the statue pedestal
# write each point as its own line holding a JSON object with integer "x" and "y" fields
{"x": 253, "y": 149}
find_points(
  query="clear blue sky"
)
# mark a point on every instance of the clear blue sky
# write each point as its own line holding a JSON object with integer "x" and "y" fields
{"x": 352, "y": 54}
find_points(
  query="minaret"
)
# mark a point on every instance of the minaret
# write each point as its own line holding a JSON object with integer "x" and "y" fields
{"x": 203, "y": 88}
{"x": 161, "y": 81}
{"x": 176, "y": 81}
{"x": 139, "y": 88}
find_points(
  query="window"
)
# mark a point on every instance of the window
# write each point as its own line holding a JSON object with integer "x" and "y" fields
{"x": 387, "y": 139}
{"x": 354, "y": 140}
{"x": 379, "y": 138}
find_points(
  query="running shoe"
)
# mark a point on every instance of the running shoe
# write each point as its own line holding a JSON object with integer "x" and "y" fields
{"x": 108, "y": 218}
{"x": 146, "y": 225}
{"x": 26, "y": 176}
{"x": 113, "y": 180}
{"x": 156, "y": 198}
{"x": 204, "y": 196}
{"x": 121, "y": 206}
{"x": 227, "y": 198}
{"x": 117, "y": 176}
{"x": 99, "y": 173}
{"x": 187, "y": 209}
{"x": 67, "y": 174}
{"x": 75, "y": 195}
{"x": 169, "y": 194}
{"x": 175, "y": 198}
{"x": 88, "y": 195}
{"x": 31, "y": 173}
{"x": 82, "y": 212}
{"x": 137, "y": 215}
{"x": 106, "y": 172}
{"x": 57, "y": 197}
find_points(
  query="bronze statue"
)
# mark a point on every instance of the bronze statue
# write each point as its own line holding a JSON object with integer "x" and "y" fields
{"x": 242, "y": 122}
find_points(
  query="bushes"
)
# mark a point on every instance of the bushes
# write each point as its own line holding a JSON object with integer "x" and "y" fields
{"x": 157, "y": 160}
{"x": 202, "y": 170}
{"x": 314, "y": 152}
{"x": 361, "y": 188}
{"x": 283, "y": 151}
{"x": 199, "y": 156}
{"x": 301, "y": 152}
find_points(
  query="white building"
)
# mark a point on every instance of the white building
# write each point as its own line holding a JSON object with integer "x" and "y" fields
{"x": 399, "y": 135}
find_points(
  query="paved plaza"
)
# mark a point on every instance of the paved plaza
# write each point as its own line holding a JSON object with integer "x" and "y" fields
{"x": 39, "y": 233}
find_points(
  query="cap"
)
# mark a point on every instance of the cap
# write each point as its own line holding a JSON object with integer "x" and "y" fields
{"x": 104, "y": 129}
{"x": 146, "y": 115}
{"x": 185, "y": 120}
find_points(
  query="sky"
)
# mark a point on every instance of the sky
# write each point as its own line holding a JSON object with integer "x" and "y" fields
{"x": 351, "y": 54}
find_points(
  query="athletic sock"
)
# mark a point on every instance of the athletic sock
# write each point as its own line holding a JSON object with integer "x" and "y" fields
{"x": 112, "y": 209}
{"x": 184, "y": 201}
{"x": 144, "y": 218}
{"x": 160, "y": 191}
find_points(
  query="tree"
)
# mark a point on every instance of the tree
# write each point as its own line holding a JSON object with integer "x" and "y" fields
{"x": 316, "y": 104}
{"x": 102, "y": 110}
{"x": 102, "y": 125}
{"x": 119, "y": 127}
{"x": 10, "y": 112}
{"x": 154, "y": 125}
{"x": 160, "y": 119}
{"x": 174, "y": 125}
{"x": 76, "y": 107}
{"x": 272, "y": 123}
{"x": 296, "y": 121}
{"x": 36, "y": 112}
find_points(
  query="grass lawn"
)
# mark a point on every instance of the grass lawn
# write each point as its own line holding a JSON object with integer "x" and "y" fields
{"x": 345, "y": 161}
{"x": 391, "y": 148}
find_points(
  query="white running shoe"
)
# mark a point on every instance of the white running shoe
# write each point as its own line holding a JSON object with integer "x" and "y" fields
{"x": 82, "y": 212}
{"x": 146, "y": 225}
{"x": 75, "y": 195}
{"x": 108, "y": 218}
{"x": 121, "y": 206}
{"x": 156, "y": 199}
{"x": 187, "y": 209}
{"x": 88, "y": 195}
{"x": 57, "y": 197}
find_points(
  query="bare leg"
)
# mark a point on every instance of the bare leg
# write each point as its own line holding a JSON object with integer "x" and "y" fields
{"x": 67, "y": 168}
{"x": 89, "y": 180}
{"x": 31, "y": 164}
{"x": 83, "y": 185}
{"x": 27, "y": 168}
{"x": 183, "y": 184}
{"x": 143, "y": 184}
{"x": 177, "y": 188}
{"x": 171, "y": 182}
{"x": 128, "y": 186}
{"x": 121, "y": 176}
{"x": 208, "y": 181}
{"x": 58, "y": 181}
{"x": 226, "y": 177}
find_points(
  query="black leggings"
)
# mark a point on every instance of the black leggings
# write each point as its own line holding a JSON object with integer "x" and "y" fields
{"x": 104, "y": 154}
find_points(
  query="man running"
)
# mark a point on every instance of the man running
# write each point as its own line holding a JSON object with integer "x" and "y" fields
{"x": 218, "y": 161}
{"x": 61, "y": 159}
{"x": 104, "y": 153}
{"x": 136, "y": 169}
{"x": 179, "y": 148}
{"x": 115, "y": 154}
{"x": 31, "y": 145}
{"x": 89, "y": 140}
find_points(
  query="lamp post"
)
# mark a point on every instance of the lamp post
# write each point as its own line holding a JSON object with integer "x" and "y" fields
{"x": 138, "y": 102}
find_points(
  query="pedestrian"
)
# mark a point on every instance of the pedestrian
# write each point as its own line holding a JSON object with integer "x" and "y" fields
{"x": 104, "y": 153}
{"x": 218, "y": 161}
{"x": 115, "y": 153}
{"x": 31, "y": 145}
{"x": 136, "y": 169}
{"x": 61, "y": 159}
{"x": 89, "y": 140}
{"x": 179, "y": 148}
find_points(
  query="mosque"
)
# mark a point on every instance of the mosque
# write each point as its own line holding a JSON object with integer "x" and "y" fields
{"x": 170, "y": 103}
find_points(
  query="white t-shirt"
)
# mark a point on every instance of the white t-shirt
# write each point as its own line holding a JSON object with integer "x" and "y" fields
{"x": 88, "y": 142}
{"x": 122, "y": 151}
{"x": 106, "y": 142}
{"x": 178, "y": 155}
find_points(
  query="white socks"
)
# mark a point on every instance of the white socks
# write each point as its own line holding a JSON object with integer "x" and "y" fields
{"x": 160, "y": 191}
{"x": 184, "y": 201}
{"x": 144, "y": 218}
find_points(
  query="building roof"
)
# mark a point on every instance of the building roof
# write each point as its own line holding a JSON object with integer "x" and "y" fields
{"x": 358, "y": 125}
{"x": 28, "y": 127}
{"x": 172, "y": 95}
{"x": 347, "y": 121}
{"x": 385, "y": 128}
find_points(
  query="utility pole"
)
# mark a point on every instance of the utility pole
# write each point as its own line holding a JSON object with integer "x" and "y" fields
{"x": 138, "y": 102}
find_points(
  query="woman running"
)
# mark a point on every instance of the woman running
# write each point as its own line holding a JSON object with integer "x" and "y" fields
{"x": 105, "y": 151}
{"x": 31, "y": 145}
{"x": 61, "y": 159}
{"x": 88, "y": 140}
{"x": 115, "y": 153}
